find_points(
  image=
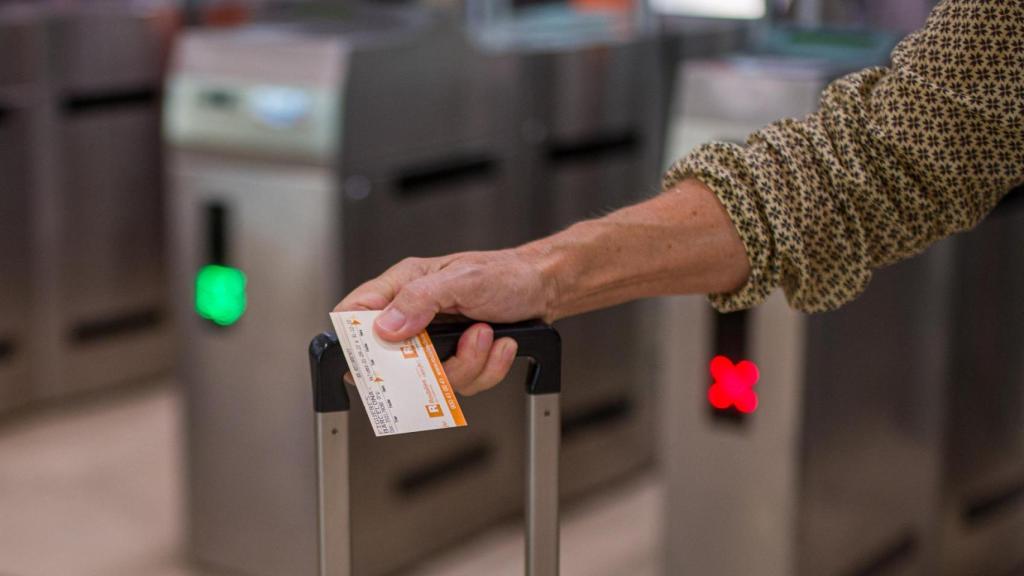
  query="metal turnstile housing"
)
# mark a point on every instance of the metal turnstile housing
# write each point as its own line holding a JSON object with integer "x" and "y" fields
{"x": 413, "y": 162}
{"x": 81, "y": 96}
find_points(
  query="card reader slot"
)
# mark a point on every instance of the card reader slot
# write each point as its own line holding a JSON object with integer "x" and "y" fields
{"x": 102, "y": 101}
{"x": 983, "y": 507}
{"x": 602, "y": 415}
{"x": 7, "y": 349}
{"x": 445, "y": 173}
{"x": 594, "y": 148}
{"x": 116, "y": 325}
{"x": 465, "y": 461}
{"x": 216, "y": 217}
{"x": 900, "y": 550}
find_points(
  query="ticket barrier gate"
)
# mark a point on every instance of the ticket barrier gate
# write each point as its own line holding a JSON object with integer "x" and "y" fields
{"x": 885, "y": 440}
{"x": 588, "y": 103}
{"x": 538, "y": 342}
{"x": 307, "y": 157}
{"x": 82, "y": 246}
{"x": 980, "y": 516}
{"x": 836, "y": 471}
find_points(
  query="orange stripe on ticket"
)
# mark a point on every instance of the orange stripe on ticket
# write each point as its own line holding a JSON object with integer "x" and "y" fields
{"x": 442, "y": 379}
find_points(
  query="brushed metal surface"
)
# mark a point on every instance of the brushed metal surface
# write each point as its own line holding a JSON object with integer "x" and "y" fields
{"x": 15, "y": 280}
{"x": 982, "y": 509}
{"x": 252, "y": 473}
{"x": 542, "y": 471}
{"x": 334, "y": 512}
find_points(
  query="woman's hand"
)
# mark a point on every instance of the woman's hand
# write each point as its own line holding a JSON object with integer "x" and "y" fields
{"x": 498, "y": 286}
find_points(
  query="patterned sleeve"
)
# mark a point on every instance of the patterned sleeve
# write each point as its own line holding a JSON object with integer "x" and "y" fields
{"x": 893, "y": 160}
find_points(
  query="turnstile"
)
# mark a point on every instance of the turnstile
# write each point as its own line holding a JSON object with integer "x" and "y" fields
{"x": 981, "y": 511}
{"x": 886, "y": 437}
{"x": 80, "y": 88}
{"x": 589, "y": 102}
{"x": 307, "y": 158}
{"x": 835, "y": 470}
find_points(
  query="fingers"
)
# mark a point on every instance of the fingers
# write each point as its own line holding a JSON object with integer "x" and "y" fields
{"x": 376, "y": 294}
{"x": 416, "y": 304}
{"x": 480, "y": 363}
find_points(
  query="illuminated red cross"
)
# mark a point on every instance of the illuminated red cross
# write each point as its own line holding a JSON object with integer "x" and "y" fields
{"x": 734, "y": 385}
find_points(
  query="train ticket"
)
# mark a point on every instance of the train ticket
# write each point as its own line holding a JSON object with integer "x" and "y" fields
{"x": 402, "y": 385}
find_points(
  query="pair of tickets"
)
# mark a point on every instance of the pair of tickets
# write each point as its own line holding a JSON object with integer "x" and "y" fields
{"x": 402, "y": 385}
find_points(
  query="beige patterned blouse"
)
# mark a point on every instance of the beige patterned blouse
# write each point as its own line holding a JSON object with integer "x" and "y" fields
{"x": 895, "y": 159}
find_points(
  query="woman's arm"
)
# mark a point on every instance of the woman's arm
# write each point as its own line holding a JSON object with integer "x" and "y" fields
{"x": 893, "y": 160}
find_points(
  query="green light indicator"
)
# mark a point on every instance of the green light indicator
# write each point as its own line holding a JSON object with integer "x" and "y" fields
{"x": 220, "y": 294}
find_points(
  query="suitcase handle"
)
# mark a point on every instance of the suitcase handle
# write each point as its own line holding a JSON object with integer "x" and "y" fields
{"x": 537, "y": 341}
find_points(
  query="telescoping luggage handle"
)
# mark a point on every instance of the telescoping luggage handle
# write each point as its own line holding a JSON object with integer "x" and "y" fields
{"x": 538, "y": 342}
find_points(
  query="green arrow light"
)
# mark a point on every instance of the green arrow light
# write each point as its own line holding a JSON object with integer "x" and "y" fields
{"x": 220, "y": 294}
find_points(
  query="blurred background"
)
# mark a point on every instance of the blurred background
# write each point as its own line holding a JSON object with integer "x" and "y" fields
{"x": 187, "y": 188}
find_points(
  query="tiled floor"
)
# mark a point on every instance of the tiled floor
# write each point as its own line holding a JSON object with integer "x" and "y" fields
{"x": 96, "y": 490}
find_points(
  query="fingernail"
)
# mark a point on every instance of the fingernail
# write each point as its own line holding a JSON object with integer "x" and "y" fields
{"x": 484, "y": 337}
{"x": 391, "y": 320}
{"x": 509, "y": 352}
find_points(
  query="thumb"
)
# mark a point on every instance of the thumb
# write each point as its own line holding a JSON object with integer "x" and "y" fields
{"x": 412, "y": 309}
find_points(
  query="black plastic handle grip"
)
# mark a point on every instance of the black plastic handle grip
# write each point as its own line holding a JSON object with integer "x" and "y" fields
{"x": 537, "y": 341}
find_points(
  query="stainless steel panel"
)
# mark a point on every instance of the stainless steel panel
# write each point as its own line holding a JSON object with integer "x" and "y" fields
{"x": 871, "y": 434}
{"x": 19, "y": 32}
{"x": 111, "y": 244}
{"x": 252, "y": 488}
{"x": 15, "y": 279}
{"x": 104, "y": 48}
{"x": 404, "y": 485}
{"x": 982, "y": 513}
{"x": 591, "y": 122}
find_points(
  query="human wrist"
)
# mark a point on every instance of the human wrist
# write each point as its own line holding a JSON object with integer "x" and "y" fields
{"x": 551, "y": 263}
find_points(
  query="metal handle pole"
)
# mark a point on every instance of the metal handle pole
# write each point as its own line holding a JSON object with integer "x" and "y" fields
{"x": 543, "y": 440}
{"x": 335, "y": 542}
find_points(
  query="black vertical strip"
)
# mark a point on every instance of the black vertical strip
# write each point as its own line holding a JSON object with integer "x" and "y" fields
{"x": 730, "y": 340}
{"x": 216, "y": 233}
{"x": 4, "y": 113}
{"x": 731, "y": 334}
{"x": 7, "y": 348}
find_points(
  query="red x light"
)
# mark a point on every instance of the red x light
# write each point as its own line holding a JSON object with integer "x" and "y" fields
{"x": 733, "y": 385}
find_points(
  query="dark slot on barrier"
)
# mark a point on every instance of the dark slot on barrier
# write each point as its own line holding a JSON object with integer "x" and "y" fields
{"x": 464, "y": 461}
{"x": 5, "y": 113}
{"x": 982, "y": 508}
{"x": 7, "y": 349}
{"x": 96, "y": 102}
{"x": 445, "y": 173}
{"x": 902, "y": 549}
{"x": 1010, "y": 203}
{"x": 216, "y": 215}
{"x": 603, "y": 414}
{"x": 119, "y": 325}
{"x": 597, "y": 147}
